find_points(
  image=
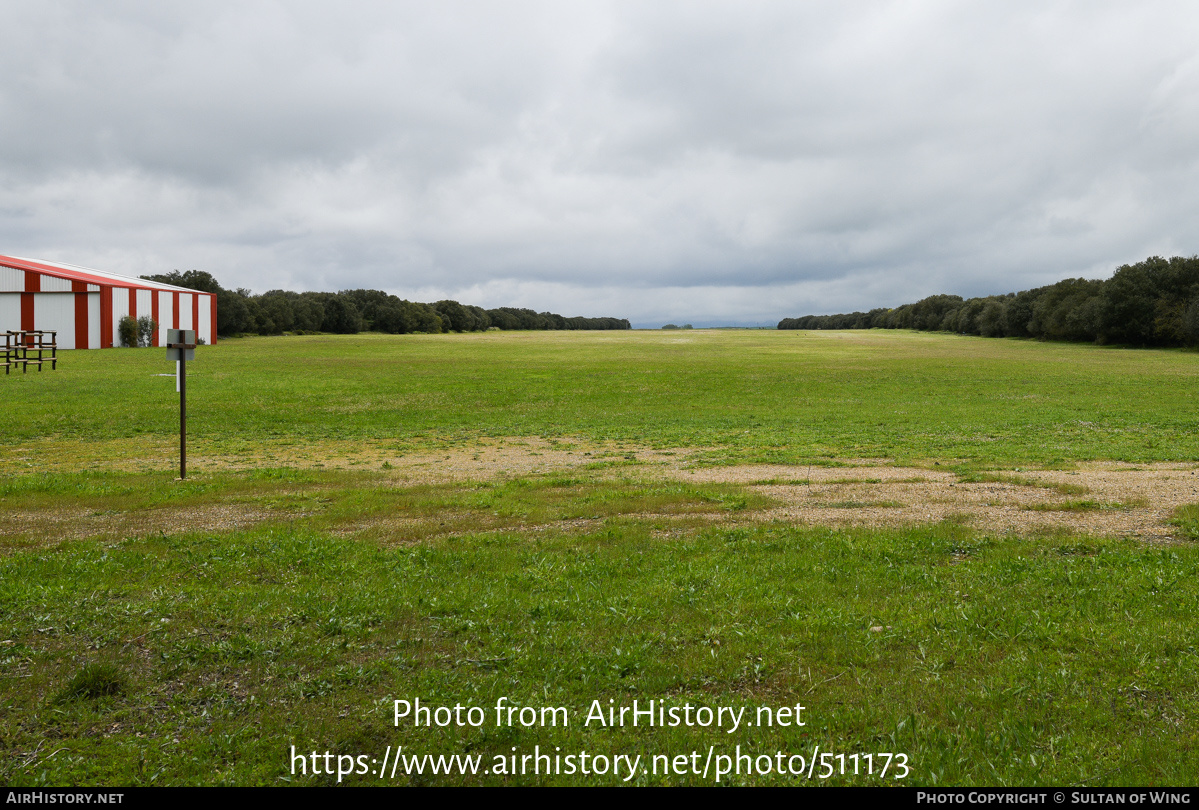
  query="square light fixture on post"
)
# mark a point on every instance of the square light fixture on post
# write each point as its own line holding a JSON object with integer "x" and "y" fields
{"x": 181, "y": 347}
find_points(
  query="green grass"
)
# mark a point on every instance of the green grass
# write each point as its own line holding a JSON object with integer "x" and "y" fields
{"x": 140, "y": 648}
{"x": 765, "y": 396}
{"x": 1002, "y": 661}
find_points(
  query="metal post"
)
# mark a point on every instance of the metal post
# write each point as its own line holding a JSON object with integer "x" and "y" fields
{"x": 182, "y": 415}
{"x": 179, "y": 343}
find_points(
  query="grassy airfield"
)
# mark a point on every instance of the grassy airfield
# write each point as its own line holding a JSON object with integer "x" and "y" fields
{"x": 470, "y": 518}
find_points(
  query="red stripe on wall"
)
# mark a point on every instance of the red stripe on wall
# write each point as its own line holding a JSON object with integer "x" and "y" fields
{"x": 33, "y": 283}
{"x": 132, "y": 302}
{"x": 105, "y": 317}
{"x": 81, "y": 320}
{"x": 174, "y": 310}
{"x": 78, "y": 286}
{"x": 27, "y": 312}
{"x": 154, "y": 313}
{"x": 212, "y": 312}
{"x": 196, "y": 313}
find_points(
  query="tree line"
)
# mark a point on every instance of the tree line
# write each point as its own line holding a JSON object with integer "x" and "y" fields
{"x": 1151, "y": 303}
{"x": 351, "y": 311}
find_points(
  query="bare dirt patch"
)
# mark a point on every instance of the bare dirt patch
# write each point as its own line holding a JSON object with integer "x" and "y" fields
{"x": 469, "y": 459}
{"x": 475, "y": 460}
{"x": 1101, "y": 498}
{"x": 56, "y": 525}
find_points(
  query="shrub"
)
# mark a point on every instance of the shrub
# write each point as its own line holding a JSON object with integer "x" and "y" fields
{"x": 127, "y": 329}
{"x": 146, "y": 327}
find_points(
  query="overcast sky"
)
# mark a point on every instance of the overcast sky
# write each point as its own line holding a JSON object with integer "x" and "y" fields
{"x": 715, "y": 163}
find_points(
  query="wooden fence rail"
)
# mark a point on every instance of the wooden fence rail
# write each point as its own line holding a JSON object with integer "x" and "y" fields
{"x": 27, "y": 348}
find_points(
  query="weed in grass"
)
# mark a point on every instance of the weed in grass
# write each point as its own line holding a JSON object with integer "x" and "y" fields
{"x": 1022, "y": 481}
{"x": 1075, "y": 549}
{"x": 93, "y": 681}
{"x": 1067, "y": 489}
{"x": 1186, "y": 518}
{"x": 1088, "y": 505}
{"x": 1069, "y": 506}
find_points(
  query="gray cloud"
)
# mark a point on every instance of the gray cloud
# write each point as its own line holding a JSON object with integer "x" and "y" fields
{"x": 710, "y": 162}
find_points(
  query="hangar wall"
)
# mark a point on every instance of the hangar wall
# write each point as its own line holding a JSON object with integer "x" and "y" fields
{"x": 85, "y": 306}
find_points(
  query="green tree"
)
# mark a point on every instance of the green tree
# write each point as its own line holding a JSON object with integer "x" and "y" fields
{"x": 341, "y": 316}
{"x": 455, "y": 314}
{"x": 1129, "y": 304}
{"x": 192, "y": 280}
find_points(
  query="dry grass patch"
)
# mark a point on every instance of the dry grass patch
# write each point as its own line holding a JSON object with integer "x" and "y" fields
{"x": 1124, "y": 500}
{"x": 48, "y": 526}
{"x": 447, "y": 459}
{"x": 583, "y": 482}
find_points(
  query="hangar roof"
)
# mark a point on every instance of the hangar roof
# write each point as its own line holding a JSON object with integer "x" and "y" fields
{"x": 76, "y": 273}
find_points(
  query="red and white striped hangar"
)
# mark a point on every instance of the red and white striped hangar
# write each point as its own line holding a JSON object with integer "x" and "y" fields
{"x": 84, "y": 306}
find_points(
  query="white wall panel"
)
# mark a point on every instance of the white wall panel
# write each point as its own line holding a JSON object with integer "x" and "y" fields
{"x": 93, "y": 320}
{"x": 10, "y": 312}
{"x": 143, "y": 302}
{"x": 204, "y": 328}
{"x": 185, "y": 311}
{"x": 12, "y": 280}
{"x": 56, "y": 311}
{"x": 120, "y": 308}
{"x": 166, "y": 315}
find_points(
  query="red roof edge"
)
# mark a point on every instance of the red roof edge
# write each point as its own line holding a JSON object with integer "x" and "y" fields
{"x": 77, "y": 275}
